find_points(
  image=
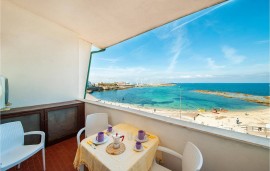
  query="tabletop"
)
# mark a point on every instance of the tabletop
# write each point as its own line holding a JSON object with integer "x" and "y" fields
{"x": 97, "y": 159}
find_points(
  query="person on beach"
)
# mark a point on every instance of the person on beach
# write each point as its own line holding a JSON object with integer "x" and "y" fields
{"x": 237, "y": 121}
{"x": 215, "y": 111}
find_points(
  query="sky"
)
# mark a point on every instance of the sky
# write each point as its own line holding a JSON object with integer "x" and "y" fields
{"x": 227, "y": 43}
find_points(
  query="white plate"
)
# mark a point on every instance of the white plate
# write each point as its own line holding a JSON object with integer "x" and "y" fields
{"x": 106, "y": 138}
{"x": 138, "y": 150}
{"x": 142, "y": 141}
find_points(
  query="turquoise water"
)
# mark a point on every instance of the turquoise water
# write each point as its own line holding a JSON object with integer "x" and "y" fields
{"x": 169, "y": 97}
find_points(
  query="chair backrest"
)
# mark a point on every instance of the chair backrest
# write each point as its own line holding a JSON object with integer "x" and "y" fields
{"x": 192, "y": 158}
{"x": 95, "y": 123}
{"x": 11, "y": 135}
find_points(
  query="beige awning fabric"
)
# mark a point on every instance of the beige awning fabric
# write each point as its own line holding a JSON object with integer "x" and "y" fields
{"x": 107, "y": 22}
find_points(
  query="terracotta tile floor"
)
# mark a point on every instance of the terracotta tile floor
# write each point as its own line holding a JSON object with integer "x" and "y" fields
{"x": 59, "y": 157}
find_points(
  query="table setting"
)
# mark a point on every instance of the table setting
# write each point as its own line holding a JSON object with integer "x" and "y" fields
{"x": 119, "y": 147}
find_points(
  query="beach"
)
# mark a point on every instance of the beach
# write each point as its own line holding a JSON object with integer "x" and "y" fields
{"x": 241, "y": 107}
{"x": 250, "y": 121}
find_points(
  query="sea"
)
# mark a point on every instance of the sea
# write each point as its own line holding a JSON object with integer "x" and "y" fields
{"x": 182, "y": 96}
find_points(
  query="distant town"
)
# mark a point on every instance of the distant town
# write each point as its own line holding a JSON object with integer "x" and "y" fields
{"x": 121, "y": 86}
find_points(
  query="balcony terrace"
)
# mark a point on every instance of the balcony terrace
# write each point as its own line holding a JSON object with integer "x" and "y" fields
{"x": 59, "y": 157}
{"x": 221, "y": 149}
{"x": 45, "y": 49}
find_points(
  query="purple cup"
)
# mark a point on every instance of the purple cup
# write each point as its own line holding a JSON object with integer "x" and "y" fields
{"x": 138, "y": 145}
{"x": 109, "y": 128}
{"x": 100, "y": 137}
{"x": 141, "y": 135}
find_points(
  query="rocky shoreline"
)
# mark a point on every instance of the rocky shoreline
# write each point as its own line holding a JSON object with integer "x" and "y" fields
{"x": 118, "y": 86}
{"x": 264, "y": 100}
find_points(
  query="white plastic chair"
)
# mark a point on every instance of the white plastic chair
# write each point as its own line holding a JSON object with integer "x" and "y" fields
{"x": 94, "y": 123}
{"x": 192, "y": 159}
{"x": 13, "y": 151}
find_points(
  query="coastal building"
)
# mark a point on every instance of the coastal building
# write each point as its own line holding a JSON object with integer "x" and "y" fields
{"x": 45, "y": 49}
{"x": 122, "y": 83}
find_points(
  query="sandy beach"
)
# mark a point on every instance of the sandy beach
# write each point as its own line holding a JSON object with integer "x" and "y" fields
{"x": 250, "y": 122}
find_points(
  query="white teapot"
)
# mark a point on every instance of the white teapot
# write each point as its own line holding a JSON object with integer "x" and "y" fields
{"x": 117, "y": 139}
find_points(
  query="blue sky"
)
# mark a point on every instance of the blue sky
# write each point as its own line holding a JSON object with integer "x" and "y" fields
{"x": 225, "y": 43}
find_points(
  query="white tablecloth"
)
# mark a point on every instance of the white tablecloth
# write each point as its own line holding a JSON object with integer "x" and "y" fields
{"x": 99, "y": 160}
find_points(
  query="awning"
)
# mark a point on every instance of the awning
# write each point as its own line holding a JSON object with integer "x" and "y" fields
{"x": 108, "y": 22}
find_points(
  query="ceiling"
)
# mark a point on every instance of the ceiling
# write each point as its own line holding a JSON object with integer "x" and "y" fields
{"x": 107, "y": 22}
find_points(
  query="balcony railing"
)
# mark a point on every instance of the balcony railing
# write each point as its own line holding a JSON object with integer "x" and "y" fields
{"x": 221, "y": 149}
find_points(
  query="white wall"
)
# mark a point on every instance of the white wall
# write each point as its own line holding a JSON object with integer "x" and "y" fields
{"x": 219, "y": 153}
{"x": 43, "y": 61}
{"x": 84, "y": 56}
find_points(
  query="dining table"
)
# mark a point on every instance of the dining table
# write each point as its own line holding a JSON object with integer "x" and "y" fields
{"x": 96, "y": 158}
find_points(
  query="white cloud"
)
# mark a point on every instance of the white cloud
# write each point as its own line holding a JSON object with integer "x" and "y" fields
{"x": 231, "y": 54}
{"x": 212, "y": 64}
{"x": 262, "y": 42}
{"x": 112, "y": 74}
{"x": 179, "y": 42}
{"x": 163, "y": 32}
{"x": 182, "y": 76}
{"x": 142, "y": 75}
{"x": 205, "y": 12}
{"x": 173, "y": 61}
{"x": 258, "y": 73}
{"x": 205, "y": 76}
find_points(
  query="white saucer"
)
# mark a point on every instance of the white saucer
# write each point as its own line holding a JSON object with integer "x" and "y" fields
{"x": 138, "y": 150}
{"x": 142, "y": 141}
{"x": 106, "y": 138}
